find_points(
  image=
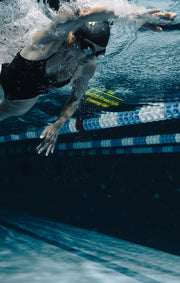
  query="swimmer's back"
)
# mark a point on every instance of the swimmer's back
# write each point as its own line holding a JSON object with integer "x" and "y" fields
{"x": 25, "y": 79}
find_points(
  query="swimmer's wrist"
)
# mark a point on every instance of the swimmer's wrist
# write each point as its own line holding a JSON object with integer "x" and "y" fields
{"x": 59, "y": 123}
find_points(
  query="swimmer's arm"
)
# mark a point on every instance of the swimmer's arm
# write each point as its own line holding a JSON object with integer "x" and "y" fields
{"x": 59, "y": 31}
{"x": 80, "y": 84}
{"x": 74, "y": 21}
{"x": 45, "y": 42}
{"x": 155, "y": 19}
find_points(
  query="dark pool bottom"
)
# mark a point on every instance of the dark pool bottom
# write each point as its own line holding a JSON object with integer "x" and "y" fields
{"x": 135, "y": 197}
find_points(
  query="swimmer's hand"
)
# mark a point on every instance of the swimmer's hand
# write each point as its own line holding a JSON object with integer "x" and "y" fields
{"x": 154, "y": 19}
{"x": 49, "y": 136}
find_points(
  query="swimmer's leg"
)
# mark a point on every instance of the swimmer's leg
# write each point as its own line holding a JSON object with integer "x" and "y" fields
{"x": 10, "y": 108}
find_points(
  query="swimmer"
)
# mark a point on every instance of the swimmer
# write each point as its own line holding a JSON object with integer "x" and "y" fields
{"x": 59, "y": 54}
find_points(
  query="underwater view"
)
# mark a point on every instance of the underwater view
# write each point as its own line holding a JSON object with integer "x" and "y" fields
{"x": 139, "y": 67}
{"x": 89, "y": 141}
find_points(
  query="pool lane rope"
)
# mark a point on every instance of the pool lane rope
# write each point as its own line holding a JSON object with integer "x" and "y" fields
{"x": 169, "y": 143}
{"x": 122, "y": 142}
{"x": 145, "y": 114}
{"x": 121, "y": 151}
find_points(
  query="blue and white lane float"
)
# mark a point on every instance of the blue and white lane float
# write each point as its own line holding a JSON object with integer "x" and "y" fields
{"x": 153, "y": 144}
{"x": 123, "y": 142}
{"x": 122, "y": 151}
{"x": 145, "y": 114}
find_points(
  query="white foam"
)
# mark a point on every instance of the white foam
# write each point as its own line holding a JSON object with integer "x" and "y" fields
{"x": 20, "y": 18}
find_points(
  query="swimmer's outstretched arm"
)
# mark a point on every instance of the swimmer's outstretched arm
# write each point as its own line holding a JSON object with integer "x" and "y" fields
{"x": 45, "y": 42}
{"x": 155, "y": 19}
{"x": 74, "y": 21}
{"x": 80, "y": 84}
{"x": 151, "y": 19}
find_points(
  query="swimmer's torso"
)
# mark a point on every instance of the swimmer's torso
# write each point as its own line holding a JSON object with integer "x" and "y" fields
{"x": 25, "y": 79}
{"x": 63, "y": 63}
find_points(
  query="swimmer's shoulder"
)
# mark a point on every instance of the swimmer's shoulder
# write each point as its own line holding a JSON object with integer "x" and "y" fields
{"x": 85, "y": 72}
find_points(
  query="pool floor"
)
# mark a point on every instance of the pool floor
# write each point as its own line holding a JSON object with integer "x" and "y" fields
{"x": 34, "y": 249}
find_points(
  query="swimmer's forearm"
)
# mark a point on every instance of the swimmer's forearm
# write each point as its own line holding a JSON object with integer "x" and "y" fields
{"x": 96, "y": 14}
{"x": 68, "y": 110}
{"x": 84, "y": 16}
{"x": 80, "y": 84}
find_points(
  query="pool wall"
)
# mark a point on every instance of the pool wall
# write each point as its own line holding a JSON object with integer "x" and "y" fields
{"x": 135, "y": 197}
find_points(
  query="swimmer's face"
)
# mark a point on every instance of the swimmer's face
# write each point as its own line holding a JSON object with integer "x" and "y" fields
{"x": 91, "y": 51}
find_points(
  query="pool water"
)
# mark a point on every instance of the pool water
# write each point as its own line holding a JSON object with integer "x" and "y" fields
{"x": 140, "y": 67}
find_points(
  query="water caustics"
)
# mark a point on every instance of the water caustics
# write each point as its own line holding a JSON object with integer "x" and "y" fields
{"x": 41, "y": 249}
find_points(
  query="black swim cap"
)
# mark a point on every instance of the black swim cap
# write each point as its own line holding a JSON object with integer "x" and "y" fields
{"x": 98, "y": 33}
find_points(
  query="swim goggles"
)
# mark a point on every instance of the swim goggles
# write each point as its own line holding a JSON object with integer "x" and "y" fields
{"x": 89, "y": 48}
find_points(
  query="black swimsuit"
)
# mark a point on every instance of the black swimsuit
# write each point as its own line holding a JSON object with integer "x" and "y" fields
{"x": 25, "y": 79}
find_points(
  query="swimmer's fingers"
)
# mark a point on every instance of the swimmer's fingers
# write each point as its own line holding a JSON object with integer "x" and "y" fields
{"x": 153, "y": 11}
{"x": 46, "y": 133}
{"x": 39, "y": 146}
{"x": 155, "y": 20}
{"x": 161, "y": 15}
{"x": 49, "y": 136}
{"x": 46, "y": 145}
{"x": 152, "y": 27}
{"x": 170, "y": 17}
{"x": 158, "y": 18}
{"x": 50, "y": 149}
{"x": 42, "y": 146}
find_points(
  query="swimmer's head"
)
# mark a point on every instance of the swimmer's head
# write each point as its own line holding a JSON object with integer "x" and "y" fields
{"x": 94, "y": 37}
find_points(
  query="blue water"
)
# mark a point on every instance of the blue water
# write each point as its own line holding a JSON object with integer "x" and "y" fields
{"x": 140, "y": 66}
